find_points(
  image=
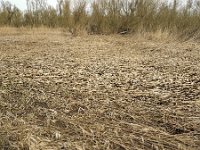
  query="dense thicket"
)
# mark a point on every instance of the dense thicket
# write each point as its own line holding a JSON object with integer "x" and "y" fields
{"x": 105, "y": 16}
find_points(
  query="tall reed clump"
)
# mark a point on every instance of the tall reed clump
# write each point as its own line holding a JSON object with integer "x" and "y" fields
{"x": 79, "y": 18}
{"x": 64, "y": 13}
{"x": 10, "y": 15}
{"x": 97, "y": 22}
{"x": 106, "y": 16}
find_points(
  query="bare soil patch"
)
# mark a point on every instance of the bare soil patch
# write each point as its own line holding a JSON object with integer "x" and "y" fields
{"x": 98, "y": 92}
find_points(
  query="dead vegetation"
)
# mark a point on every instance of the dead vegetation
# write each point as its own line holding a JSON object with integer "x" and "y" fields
{"x": 107, "y": 16}
{"x": 98, "y": 92}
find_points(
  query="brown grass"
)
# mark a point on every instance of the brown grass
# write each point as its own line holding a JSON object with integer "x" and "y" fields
{"x": 98, "y": 92}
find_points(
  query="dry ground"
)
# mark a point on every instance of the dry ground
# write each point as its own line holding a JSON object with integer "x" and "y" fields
{"x": 98, "y": 92}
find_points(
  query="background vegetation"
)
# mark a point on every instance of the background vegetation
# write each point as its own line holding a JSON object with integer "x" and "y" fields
{"x": 106, "y": 16}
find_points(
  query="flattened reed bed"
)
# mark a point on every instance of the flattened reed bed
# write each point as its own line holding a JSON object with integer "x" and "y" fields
{"x": 94, "y": 93}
